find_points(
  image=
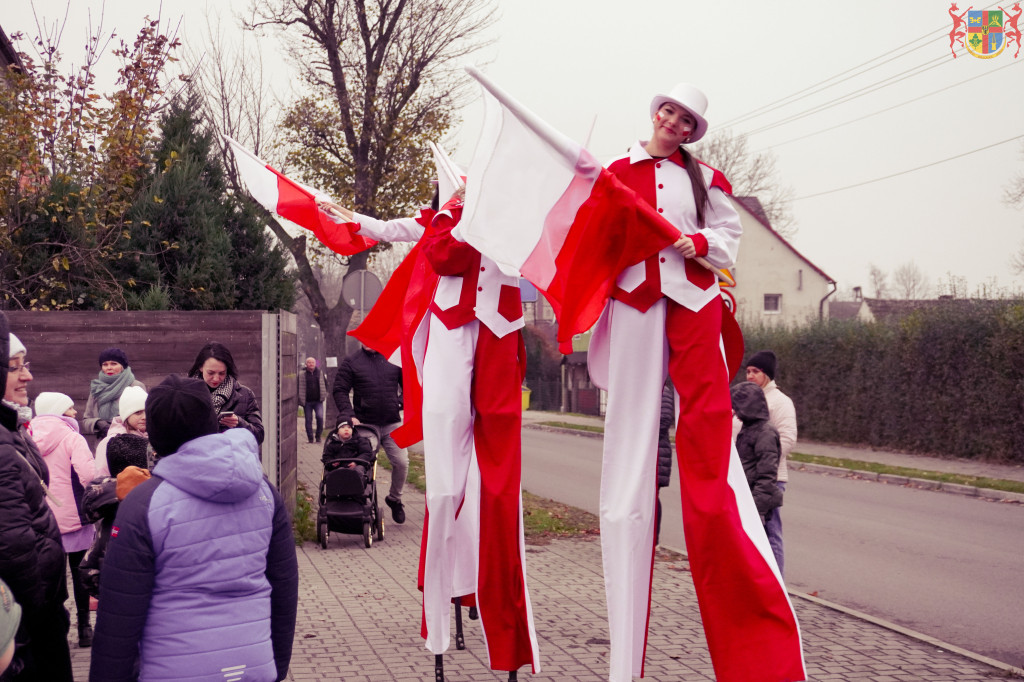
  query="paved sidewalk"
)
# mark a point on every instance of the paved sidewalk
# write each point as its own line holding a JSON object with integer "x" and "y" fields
{"x": 359, "y": 615}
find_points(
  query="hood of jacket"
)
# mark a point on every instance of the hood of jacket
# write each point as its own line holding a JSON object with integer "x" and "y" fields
{"x": 749, "y": 403}
{"x": 50, "y": 429}
{"x": 221, "y": 467}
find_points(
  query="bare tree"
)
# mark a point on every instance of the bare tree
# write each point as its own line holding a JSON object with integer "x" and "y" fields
{"x": 750, "y": 175}
{"x": 879, "y": 281}
{"x": 386, "y": 76}
{"x": 910, "y": 282}
{"x": 1017, "y": 260}
{"x": 1014, "y": 194}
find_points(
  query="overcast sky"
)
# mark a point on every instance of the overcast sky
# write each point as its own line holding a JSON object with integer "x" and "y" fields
{"x": 574, "y": 60}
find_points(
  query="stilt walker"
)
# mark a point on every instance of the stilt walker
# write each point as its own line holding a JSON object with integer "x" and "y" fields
{"x": 463, "y": 361}
{"x": 647, "y": 233}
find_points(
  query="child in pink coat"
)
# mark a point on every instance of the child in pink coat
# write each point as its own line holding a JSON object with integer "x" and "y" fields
{"x": 70, "y": 461}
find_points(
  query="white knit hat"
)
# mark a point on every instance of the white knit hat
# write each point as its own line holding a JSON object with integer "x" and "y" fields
{"x": 53, "y": 403}
{"x": 132, "y": 400}
{"x": 16, "y": 346}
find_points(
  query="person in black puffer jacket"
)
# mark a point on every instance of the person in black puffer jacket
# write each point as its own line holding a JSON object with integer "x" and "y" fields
{"x": 758, "y": 446}
{"x": 668, "y": 419}
{"x": 376, "y": 387}
{"x": 31, "y": 553}
{"x": 344, "y": 443}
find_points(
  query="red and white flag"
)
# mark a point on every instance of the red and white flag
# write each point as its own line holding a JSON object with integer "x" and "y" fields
{"x": 538, "y": 204}
{"x": 295, "y": 202}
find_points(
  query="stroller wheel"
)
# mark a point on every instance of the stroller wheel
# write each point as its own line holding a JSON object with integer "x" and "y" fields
{"x": 379, "y": 525}
{"x": 367, "y": 538}
{"x": 321, "y": 534}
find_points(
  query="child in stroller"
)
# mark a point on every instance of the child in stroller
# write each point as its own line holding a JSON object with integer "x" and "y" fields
{"x": 348, "y": 488}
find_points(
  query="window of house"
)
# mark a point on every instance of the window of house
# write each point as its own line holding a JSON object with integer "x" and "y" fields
{"x": 773, "y": 303}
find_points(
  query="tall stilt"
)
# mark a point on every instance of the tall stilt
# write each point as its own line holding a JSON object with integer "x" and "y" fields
{"x": 460, "y": 639}
{"x": 438, "y": 667}
{"x": 512, "y": 675}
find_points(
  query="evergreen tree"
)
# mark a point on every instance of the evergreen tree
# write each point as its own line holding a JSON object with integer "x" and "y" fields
{"x": 213, "y": 253}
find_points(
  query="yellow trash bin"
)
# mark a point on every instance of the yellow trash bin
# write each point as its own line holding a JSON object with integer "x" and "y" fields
{"x": 526, "y": 398}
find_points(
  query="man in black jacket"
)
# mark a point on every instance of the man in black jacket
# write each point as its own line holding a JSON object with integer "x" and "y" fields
{"x": 376, "y": 387}
{"x": 312, "y": 394}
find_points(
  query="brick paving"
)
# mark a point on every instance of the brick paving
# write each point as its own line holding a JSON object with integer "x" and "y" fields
{"x": 359, "y": 615}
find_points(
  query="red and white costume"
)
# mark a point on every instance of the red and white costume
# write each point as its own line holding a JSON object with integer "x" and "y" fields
{"x": 471, "y": 359}
{"x": 748, "y": 620}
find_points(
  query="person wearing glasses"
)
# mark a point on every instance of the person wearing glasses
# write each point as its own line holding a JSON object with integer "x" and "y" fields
{"x": 31, "y": 552}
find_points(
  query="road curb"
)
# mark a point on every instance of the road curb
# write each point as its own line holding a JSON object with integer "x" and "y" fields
{"x": 919, "y": 636}
{"x": 922, "y": 483}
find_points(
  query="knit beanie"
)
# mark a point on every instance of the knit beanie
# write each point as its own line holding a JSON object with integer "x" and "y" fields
{"x": 132, "y": 400}
{"x": 127, "y": 450}
{"x": 115, "y": 354}
{"x": 10, "y": 616}
{"x": 16, "y": 347}
{"x": 765, "y": 361}
{"x": 53, "y": 403}
{"x": 179, "y": 410}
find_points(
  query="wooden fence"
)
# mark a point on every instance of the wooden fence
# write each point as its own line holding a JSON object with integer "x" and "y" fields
{"x": 64, "y": 349}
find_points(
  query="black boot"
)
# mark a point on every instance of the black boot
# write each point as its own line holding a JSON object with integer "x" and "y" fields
{"x": 84, "y": 635}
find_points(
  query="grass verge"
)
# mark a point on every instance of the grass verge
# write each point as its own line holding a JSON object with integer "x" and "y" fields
{"x": 875, "y": 467}
{"x": 578, "y": 427}
{"x": 304, "y": 520}
{"x": 856, "y": 465}
{"x": 542, "y": 518}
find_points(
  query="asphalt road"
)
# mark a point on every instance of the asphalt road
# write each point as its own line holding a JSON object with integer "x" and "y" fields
{"x": 944, "y": 565}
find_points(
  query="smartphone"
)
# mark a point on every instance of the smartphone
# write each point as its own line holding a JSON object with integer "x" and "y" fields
{"x": 225, "y": 414}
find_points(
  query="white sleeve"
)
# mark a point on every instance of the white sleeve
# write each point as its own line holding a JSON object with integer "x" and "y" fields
{"x": 400, "y": 230}
{"x": 782, "y": 415}
{"x": 723, "y": 229}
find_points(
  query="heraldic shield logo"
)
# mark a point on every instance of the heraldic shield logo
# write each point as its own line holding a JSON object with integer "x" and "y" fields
{"x": 985, "y": 37}
{"x": 983, "y": 33}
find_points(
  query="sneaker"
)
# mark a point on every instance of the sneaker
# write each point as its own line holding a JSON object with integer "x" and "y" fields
{"x": 397, "y": 509}
{"x": 84, "y": 636}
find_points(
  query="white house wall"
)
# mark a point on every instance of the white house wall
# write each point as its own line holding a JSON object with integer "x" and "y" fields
{"x": 767, "y": 265}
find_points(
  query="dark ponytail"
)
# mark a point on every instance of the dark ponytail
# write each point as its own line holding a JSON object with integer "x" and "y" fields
{"x": 700, "y": 188}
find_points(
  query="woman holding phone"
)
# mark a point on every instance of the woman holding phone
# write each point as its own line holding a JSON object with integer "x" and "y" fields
{"x": 234, "y": 403}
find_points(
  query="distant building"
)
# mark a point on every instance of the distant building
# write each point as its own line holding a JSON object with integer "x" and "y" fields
{"x": 775, "y": 283}
{"x": 8, "y": 55}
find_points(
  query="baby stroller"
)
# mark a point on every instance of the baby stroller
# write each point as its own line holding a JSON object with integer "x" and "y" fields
{"x": 348, "y": 496}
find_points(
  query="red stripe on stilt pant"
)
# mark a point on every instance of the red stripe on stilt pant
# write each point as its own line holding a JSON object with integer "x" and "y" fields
{"x": 749, "y": 622}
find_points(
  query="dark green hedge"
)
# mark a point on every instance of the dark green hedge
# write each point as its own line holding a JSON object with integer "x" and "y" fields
{"x": 948, "y": 379}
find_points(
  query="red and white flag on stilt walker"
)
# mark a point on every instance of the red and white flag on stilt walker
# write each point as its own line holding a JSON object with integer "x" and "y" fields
{"x": 540, "y": 205}
{"x": 296, "y": 202}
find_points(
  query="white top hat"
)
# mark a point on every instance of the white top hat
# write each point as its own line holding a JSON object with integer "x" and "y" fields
{"x": 689, "y": 97}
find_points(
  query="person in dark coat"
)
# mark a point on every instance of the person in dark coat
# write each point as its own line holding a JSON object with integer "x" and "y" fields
{"x": 758, "y": 446}
{"x": 312, "y": 394}
{"x": 234, "y": 404}
{"x": 376, "y": 387}
{"x": 668, "y": 420}
{"x": 31, "y": 554}
{"x": 344, "y": 443}
{"x": 101, "y": 499}
{"x": 201, "y": 576}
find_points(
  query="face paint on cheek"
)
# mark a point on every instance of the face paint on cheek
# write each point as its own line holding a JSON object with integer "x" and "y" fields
{"x": 657, "y": 116}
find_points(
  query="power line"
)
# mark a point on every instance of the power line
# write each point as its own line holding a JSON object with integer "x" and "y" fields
{"x": 827, "y": 83}
{"x": 909, "y": 170}
{"x": 843, "y": 99}
{"x": 891, "y": 108}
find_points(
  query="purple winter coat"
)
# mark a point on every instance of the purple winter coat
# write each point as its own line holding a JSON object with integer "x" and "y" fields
{"x": 200, "y": 575}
